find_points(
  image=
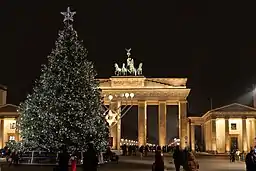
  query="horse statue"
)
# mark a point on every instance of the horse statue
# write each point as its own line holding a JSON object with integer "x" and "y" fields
{"x": 132, "y": 70}
{"x": 139, "y": 70}
{"x": 118, "y": 70}
{"x": 124, "y": 70}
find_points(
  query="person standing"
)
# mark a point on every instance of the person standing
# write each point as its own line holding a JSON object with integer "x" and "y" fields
{"x": 158, "y": 165}
{"x": 90, "y": 160}
{"x": 141, "y": 150}
{"x": 63, "y": 159}
{"x": 250, "y": 161}
{"x": 73, "y": 162}
{"x": 177, "y": 157}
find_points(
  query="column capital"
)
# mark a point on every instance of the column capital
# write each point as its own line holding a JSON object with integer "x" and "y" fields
{"x": 162, "y": 101}
{"x": 142, "y": 102}
{"x": 183, "y": 101}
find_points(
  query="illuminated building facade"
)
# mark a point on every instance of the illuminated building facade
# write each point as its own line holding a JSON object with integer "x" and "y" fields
{"x": 8, "y": 115}
{"x": 226, "y": 128}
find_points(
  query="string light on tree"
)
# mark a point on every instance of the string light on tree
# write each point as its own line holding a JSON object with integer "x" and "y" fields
{"x": 65, "y": 107}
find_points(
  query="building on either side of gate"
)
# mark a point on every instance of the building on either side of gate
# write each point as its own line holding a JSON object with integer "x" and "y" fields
{"x": 225, "y": 129}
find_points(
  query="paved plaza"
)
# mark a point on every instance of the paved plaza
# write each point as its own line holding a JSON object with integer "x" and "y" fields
{"x": 207, "y": 163}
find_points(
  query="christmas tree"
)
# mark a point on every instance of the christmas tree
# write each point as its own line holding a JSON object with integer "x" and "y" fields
{"x": 65, "y": 107}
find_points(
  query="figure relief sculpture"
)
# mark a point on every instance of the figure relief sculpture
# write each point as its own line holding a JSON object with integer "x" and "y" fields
{"x": 124, "y": 70}
{"x": 139, "y": 70}
{"x": 118, "y": 70}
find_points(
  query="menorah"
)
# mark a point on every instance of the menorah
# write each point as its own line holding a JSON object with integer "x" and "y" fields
{"x": 112, "y": 117}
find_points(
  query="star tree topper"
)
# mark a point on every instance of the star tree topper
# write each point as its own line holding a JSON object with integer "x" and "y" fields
{"x": 68, "y": 16}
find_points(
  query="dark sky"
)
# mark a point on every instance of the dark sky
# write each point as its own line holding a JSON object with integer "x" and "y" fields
{"x": 213, "y": 44}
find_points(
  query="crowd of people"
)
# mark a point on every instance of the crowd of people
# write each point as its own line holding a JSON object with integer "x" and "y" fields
{"x": 181, "y": 157}
{"x": 90, "y": 160}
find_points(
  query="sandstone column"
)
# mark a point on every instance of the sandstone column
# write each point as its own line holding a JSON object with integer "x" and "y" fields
{"x": 254, "y": 135}
{"x": 189, "y": 132}
{"x": 183, "y": 123}
{"x": 202, "y": 137}
{"x": 213, "y": 128}
{"x": 162, "y": 123}
{"x": 250, "y": 136}
{"x": 227, "y": 138}
{"x": 118, "y": 138}
{"x": 244, "y": 135}
{"x": 115, "y": 128}
{"x": 193, "y": 137}
{"x": 2, "y": 133}
{"x": 142, "y": 123}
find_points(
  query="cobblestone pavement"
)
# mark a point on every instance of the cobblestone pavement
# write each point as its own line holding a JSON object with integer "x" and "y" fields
{"x": 207, "y": 163}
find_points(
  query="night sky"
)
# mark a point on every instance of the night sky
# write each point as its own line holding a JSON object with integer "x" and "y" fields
{"x": 212, "y": 44}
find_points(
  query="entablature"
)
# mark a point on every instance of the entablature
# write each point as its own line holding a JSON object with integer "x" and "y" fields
{"x": 196, "y": 120}
{"x": 142, "y": 82}
{"x": 226, "y": 115}
{"x": 147, "y": 95}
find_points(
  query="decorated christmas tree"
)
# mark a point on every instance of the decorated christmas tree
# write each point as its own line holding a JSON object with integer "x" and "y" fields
{"x": 65, "y": 106}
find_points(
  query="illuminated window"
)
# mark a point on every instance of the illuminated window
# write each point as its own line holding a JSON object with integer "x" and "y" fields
{"x": 11, "y": 138}
{"x": 233, "y": 126}
{"x": 12, "y": 125}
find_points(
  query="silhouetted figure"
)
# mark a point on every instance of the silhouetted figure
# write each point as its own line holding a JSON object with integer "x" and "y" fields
{"x": 141, "y": 150}
{"x": 14, "y": 158}
{"x": 63, "y": 159}
{"x": 233, "y": 156}
{"x": 177, "y": 156}
{"x": 250, "y": 161}
{"x": 146, "y": 150}
{"x": 158, "y": 165}
{"x": 185, "y": 154}
{"x": 90, "y": 160}
{"x": 124, "y": 150}
{"x": 130, "y": 150}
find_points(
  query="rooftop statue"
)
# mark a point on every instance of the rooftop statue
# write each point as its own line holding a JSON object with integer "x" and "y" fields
{"x": 130, "y": 69}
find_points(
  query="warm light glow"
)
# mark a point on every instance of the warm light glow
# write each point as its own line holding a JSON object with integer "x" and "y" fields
{"x": 220, "y": 134}
{"x": 110, "y": 97}
{"x": 131, "y": 95}
{"x": 126, "y": 95}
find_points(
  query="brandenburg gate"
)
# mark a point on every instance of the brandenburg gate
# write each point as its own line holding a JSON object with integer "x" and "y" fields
{"x": 129, "y": 87}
